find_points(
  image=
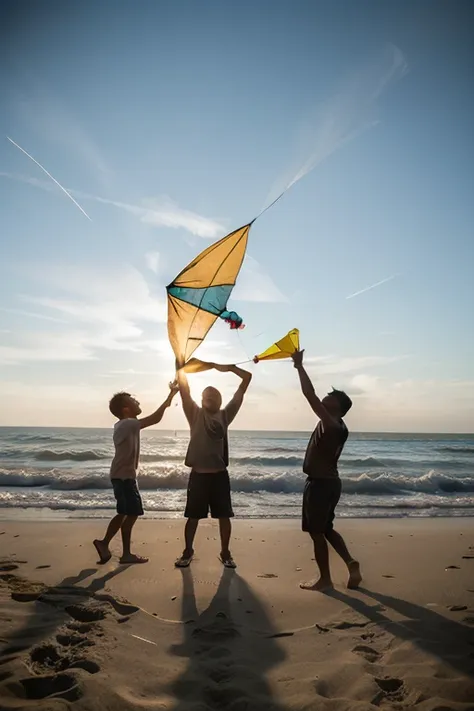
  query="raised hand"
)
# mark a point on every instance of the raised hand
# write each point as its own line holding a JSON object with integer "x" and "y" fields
{"x": 297, "y": 358}
{"x": 174, "y": 388}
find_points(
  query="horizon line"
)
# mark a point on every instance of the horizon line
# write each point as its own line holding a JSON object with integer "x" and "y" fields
{"x": 162, "y": 429}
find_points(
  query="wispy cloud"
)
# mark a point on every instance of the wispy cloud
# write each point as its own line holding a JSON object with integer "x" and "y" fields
{"x": 372, "y": 286}
{"x": 66, "y": 192}
{"x": 48, "y": 116}
{"x": 158, "y": 212}
{"x": 153, "y": 261}
{"x": 335, "y": 365}
{"x": 254, "y": 284}
{"x": 31, "y": 314}
{"x": 166, "y": 213}
{"x": 345, "y": 115}
{"x": 131, "y": 371}
{"x": 105, "y": 309}
{"x": 47, "y": 347}
{"x": 117, "y": 296}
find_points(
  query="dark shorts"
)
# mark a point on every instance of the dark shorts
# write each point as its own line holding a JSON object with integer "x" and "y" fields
{"x": 320, "y": 499}
{"x": 129, "y": 501}
{"x": 208, "y": 492}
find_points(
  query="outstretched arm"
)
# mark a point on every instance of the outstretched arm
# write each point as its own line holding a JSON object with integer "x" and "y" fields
{"x": 244, "y": 375}
{"x": 189, "y": 406}
{"x": 309, "y": 392}
{"x": 234, "y": 405}
{"x": 157, "y": 416}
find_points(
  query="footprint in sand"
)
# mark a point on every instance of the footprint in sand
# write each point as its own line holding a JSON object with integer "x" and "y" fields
{"x": 390, "y": 689}
{"x": 123, "y": 608}
{"x": 82, "y": 627}
{"x": 82, "y": 613}
{"x": 389, "y": 685}
{"x": 42, "y": 567}
{"x": 87, "y": 664}
{"x": 320, "y": 628}
{"x": 45, "y": 655}
{"x": 267, "y": 575}
{"x": 369, "y": 653}
{"x": 349, "y": 625}
{"x": 73, "y": 640}
{"x": 26, "y": 596}
{"x": 7, "y": 567}
{"x": 457, "y": 608}
{"x": 61, "y": 686}
{"x": 321, "y": 687}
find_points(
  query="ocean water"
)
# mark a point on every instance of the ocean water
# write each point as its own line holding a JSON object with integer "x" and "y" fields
{"x": 66, "y": 472}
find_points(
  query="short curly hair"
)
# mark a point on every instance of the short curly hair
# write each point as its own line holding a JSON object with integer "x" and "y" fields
{"x": 345, "y": 403}
{"x": 117, "y": 403}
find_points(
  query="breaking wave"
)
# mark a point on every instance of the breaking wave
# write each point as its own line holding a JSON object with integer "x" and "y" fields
{"x": 171, "y": 477}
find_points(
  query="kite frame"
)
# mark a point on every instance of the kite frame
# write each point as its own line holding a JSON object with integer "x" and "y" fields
{"x": 193, "y": 263}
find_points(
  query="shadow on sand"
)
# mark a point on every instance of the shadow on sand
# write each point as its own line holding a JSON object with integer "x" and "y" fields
{"x": 57, "y": 604}
{"x": 227, "y": 660}
{"x": 451, "y": 642}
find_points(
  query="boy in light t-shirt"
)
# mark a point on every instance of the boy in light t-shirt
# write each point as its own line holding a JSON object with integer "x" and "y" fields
{"x": 123, "y": 471}
{"x": 208, "y": 459}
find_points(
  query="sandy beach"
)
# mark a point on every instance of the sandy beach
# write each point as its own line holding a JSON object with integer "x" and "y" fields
{"x": 152, "y": 637}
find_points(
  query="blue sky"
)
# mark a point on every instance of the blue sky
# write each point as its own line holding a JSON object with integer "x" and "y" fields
{"x": 172, "y": 123}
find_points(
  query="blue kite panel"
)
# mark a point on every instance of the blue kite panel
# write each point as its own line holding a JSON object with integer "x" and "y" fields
{"x": 213, "y": 299}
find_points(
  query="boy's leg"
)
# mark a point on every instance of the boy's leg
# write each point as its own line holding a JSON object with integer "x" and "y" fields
{"x": 127, "y": 555}
{"x": 339, "y": 545}
{"x": 189, "y": 533}
{"x": 321, "y": 554}
{"x": 318, "y": 501}
{"x": 225, "y": 530}
{"x": 196, "y": 508}
{"x": 220, "y": 502}
{"x": 102, "y": 546}
{"x": 133, "y": 508}
{"x": 186, "y": 556}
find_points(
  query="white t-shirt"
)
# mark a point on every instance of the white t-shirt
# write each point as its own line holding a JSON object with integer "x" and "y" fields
{"x": 127, "y": 449}
{"x": 208, "y": 449}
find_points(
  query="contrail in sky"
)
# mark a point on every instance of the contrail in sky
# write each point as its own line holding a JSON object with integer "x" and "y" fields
{"x": 50, "y": 176}
{"x": 373, "y": 286}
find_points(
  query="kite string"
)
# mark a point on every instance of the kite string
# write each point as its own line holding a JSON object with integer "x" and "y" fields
{"x": 243, "y": 348}
{"x": 270, "y": 205}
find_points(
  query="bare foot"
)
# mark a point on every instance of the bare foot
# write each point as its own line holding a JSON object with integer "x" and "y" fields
{"x": 319, "y": 585}
{"x": 103, "y": 550}
{"x": 355, "y": 577}
{"x": 132, "y": 558}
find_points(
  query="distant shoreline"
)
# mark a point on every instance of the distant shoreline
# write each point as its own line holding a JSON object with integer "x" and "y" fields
{"x": 365, "y": 433}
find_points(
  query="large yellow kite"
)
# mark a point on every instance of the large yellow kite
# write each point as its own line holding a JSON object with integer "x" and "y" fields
{"x": 199, "y": 294}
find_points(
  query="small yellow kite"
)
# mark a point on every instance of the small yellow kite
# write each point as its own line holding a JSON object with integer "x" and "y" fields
{"x": 284, "y": 348}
